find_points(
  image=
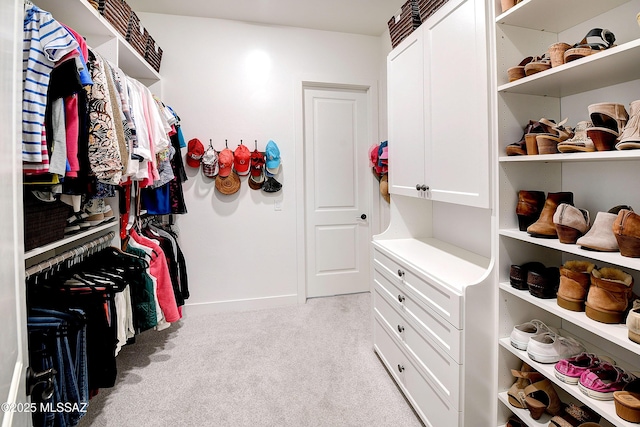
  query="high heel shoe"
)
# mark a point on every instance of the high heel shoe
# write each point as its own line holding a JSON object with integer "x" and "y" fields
{"x": 541, "y": 397}
{"x": 608, "y": 120}
{"x": 524, "y": 378}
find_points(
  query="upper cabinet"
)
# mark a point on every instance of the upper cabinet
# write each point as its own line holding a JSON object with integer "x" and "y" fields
{"x": 439, "y": 108}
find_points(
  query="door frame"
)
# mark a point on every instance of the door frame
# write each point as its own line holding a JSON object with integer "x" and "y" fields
{"x": 370, "y": 87}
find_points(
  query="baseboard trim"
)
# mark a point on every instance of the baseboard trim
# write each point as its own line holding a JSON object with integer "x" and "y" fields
{"x": 240, "y": 305}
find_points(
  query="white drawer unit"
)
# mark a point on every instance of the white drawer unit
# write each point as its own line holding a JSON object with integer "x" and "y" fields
{"x": 425, "y": 398}
{"x": 442, "y": 372}
{"x": 445, "y": 302}
{"x": 419, "y": 327}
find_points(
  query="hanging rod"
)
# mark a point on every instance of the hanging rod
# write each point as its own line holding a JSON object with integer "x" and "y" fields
{"x": 80, "y": 251}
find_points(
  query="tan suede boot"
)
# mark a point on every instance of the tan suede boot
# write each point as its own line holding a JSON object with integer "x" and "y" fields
{"x": 575, "y": 278}
{"x": 626, "y": 228}
{"x": 610, "y": 295}
{"x": 544, "y": 226}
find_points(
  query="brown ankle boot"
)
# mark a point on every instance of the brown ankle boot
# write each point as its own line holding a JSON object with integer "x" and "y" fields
{"x": 530, "y": 204}
{"x": 544, "y": 226}
{"x": 610, "y": 295}
{"x": 575, "y": 277}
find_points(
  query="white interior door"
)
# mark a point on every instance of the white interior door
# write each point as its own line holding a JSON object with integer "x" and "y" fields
{"x": 337, "y": 203}
{"x": 13, "y": 347}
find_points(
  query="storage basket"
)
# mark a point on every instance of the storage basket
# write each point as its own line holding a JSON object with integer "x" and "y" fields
{"x": 44, "y": 222}
{"x": 429, "y": 7}
{"x": 137, "y": 35}
{"x": 403, "y": 23}
{"x": 153, "y": 54}
{"x": 117, "y": 12}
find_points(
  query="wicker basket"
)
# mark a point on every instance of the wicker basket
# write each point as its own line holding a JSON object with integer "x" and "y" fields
{"x": 153, "y": 54}
{"x": 117, "y": 12}
{"x": 44, "y": 222}
{"x": 427, "y": 8}
{"x": 403, "y": 24}
{"x": 137, "y": 35}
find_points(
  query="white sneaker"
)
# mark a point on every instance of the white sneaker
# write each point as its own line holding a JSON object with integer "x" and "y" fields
{"x": 521, "y": 334}
{"x": 551, "y": 347}
{"x": 95, "y": 210}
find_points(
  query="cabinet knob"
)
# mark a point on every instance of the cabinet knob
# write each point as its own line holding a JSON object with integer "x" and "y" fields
{"x": 400, "y": 368}
{"x": 418, "y": 187}
{"x": 424, "y": 187}
{"x": 400, "y": 328}
{"x": 401, "y": 298}
{"x": 400, "y": 273}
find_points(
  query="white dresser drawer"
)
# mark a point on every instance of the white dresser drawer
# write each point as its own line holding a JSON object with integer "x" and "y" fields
{"x": 439, "y": 368}
{"x": 423, "y": 317}
{"x": 441, "y": 299}
{"x": 428, "y": 403}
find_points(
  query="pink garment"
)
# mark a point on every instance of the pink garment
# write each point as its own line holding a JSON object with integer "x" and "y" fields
{"x": 83, "y": 45}
{"x": 73, "y": 134}
{"x": 160, "y": 270}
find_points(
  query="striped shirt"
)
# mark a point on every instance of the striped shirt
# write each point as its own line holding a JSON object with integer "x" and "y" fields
{"x": 45, "y": 42}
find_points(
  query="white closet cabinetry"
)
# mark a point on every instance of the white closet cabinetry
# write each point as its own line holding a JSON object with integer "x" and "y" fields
{"x": 598, "y": 180}
{"x": 438, "y": 108}
{"x": 104, "y": 39}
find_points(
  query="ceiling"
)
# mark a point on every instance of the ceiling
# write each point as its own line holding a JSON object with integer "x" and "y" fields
{"x": 368, "y": 17}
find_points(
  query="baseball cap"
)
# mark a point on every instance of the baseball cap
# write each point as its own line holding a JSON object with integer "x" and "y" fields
{"x": 242, "y": 160}
{"x": 257, "y": 170}
{"x": 210, "y": 163}
{"x": 272, "y": 155}
{"x": 225, "y": 162}
{"x": 195, "y": 150}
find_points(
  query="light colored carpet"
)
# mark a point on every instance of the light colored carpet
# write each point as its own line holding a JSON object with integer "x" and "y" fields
{"x": 310, "y": 365}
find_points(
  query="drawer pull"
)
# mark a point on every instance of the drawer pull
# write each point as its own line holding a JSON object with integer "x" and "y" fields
{"x": 400, "y": 273}
{"x": 400, "y": 329}
{"x": 400, "y": 368}
{"x": 401, "y": 298}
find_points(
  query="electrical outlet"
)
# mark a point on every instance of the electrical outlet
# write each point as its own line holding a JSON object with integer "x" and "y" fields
{"x": 277, "y": 205}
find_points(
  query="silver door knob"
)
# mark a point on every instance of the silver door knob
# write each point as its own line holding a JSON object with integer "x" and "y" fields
{"x": 424, "y": 187}
{"x": 418, "y": 187}
{"x": 400, "y": 273}
{"x": 363, "y": 216}
{"x": 400, "y": 329}
{"x": 400, "y": 368}
{"x": 401, "y": 298}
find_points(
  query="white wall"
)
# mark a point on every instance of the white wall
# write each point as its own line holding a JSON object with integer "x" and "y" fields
{"x": 233, "y": 80}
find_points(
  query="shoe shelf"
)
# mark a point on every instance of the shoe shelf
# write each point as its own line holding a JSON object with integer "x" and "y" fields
{"x": 555, "y": 16}
{"x": 607, "y": 257}
{"x": 595, "y": 156}
{"x": 606, "y": 408}
{"x": 616, "y": 333}
{"x": 69, "y": 239}
{"x": 588, "y": 73}
{"x": 523, "y": 414}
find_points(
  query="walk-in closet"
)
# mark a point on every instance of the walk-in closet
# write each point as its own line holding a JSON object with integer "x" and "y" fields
{"x": 320, "y": 213}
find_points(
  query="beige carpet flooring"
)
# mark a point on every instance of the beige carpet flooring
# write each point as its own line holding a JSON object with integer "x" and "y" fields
{"x": 309, "y": 365}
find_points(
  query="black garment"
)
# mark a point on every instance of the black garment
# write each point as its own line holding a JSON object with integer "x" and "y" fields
{"x": 176, "y": 195}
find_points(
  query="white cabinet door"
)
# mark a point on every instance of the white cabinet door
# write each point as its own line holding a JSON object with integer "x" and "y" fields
{"x": 406, "y": 119}
{"x": 457, "y": 112}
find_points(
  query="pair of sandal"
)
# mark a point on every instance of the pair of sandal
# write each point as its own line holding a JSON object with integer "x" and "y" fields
{"x": 608, "y": 120}
{"x": 596, "y": 40}
{"x": 534, "y": 392}
{"x": 528, "y": 143}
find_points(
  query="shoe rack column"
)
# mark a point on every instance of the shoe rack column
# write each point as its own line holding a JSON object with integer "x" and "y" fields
{"x": 598, "y": 180}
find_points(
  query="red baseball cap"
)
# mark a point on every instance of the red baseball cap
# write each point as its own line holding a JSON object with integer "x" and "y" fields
{"x": 225, "y": 162}
{"x": 242, "y": 160}
{"x": 194, "y": 153}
